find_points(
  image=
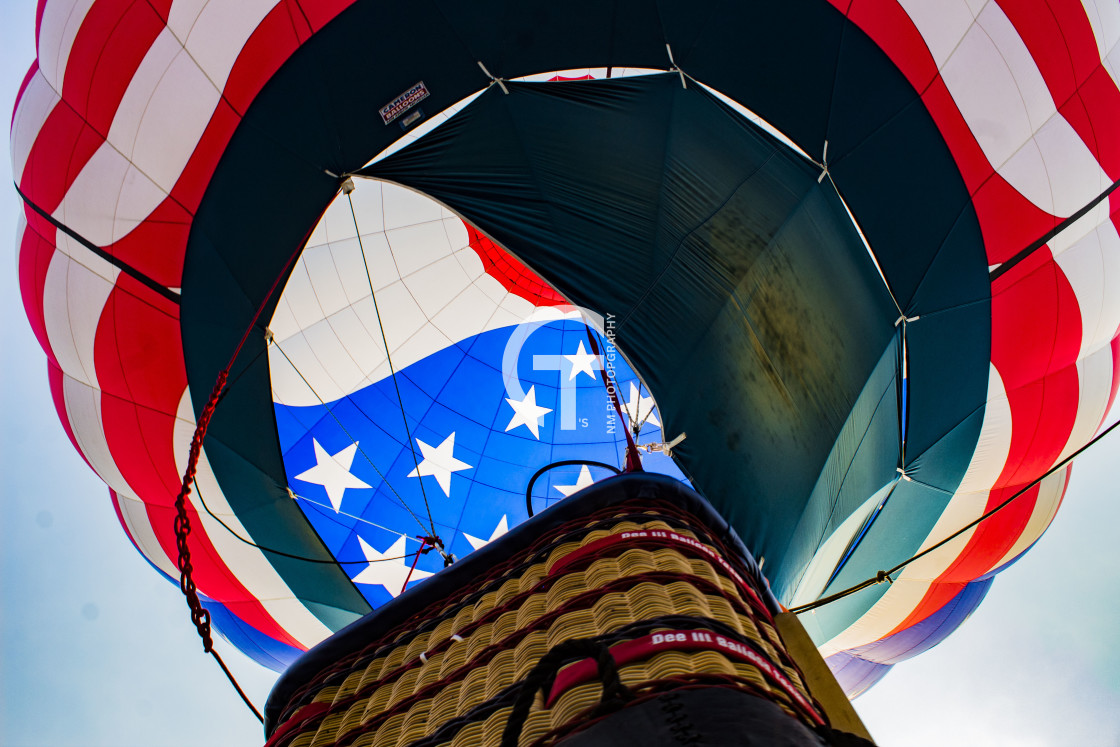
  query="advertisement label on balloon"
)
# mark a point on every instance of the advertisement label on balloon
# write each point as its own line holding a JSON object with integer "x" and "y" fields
{"x": 404, "y": 102}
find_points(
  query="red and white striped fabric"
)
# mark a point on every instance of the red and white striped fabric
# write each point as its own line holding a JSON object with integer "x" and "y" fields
{"x": 1025, "y": 94}
{"x": 116, "y": 131}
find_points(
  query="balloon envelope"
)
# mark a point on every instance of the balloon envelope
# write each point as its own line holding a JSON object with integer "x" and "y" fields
{"x": 869, "y": 339}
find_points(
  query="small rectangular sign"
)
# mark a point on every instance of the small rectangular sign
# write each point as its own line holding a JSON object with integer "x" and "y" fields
{"x": 404, "y": 102}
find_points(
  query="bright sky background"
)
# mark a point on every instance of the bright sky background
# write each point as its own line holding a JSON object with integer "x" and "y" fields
{"x": 97, "y": 649}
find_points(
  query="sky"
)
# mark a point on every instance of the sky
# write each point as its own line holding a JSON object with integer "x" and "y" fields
{"x": 97, "y": 649}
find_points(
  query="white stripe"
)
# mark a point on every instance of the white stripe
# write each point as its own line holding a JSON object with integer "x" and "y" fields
{"x": 73, "y": 301}
{"x": 35, "y": 106}
{"x": 107, "y": 199}
{"x": 219, "y": 32}
{"x": 903, "y": 596}
{"x": 942, "y": 24}
{"x": 83, "y": 411}
{"x": 164, "y": 111}
{"x": 1094, "y": 378}
{"x": 246, "y": 562}
{"x": 1056, "y": 170}
{"x": 1111, "y": 63}
{"x": 59, "y": 27}
{"x": 1089, "y": 263}
{"x": 994, "y": 443}
{"x": 182, "y": 16}
{"x": 1104, "y": 17}
{"x": 1004, "y": 99}
{"x": 139, "y": 526}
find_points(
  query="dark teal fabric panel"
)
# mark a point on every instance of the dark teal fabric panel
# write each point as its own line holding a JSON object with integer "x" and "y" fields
{"x": 741, "y": 289}
{"x": 863, "y": 459}
{"x": 895, "y": 535}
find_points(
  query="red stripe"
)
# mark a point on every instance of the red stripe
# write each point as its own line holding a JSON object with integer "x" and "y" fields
{"x": 1009, "y": 222}
{"x": 1060, "y": 39}
{"x": 162, "y": 8}
{"x": 63, "y": 145}
{"x": 1101, "y": 101}
{"x": 1034, "y": 302}
{"x": 653, "y": 644}
{"x": 39, "y": 8}
{"x": 891, "y": 29}
{"x": 111, "y": 43}
{"x": 141, "y": 370}
{"x": 280, "y": 34}
{"x": 321, "y": 12}
{"x": 514, "y": 276}
{"x": 57, "y": 379}
{"x": 35, "y": 254}
{"x": 167, "y": 227}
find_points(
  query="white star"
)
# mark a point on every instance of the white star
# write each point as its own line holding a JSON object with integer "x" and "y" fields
{"x": 582, "y": 362}
{"x": 527, "y": 413}
{"x": 582, "y": 482}
{"x": 502, "y": 528}
{"x": 390, "y": 568}
{"x": 639, "y": 408}
{"x": 439, "y": 462}
{"x": 332, "y": 471}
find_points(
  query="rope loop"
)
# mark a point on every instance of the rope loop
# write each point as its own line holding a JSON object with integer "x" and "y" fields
{"x": 540, "y": 678}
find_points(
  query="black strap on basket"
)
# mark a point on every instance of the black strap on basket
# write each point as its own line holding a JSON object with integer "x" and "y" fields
{"x": 541, "y": 677}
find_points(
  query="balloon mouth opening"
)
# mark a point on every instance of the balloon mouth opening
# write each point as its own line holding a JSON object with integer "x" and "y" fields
{"x": 369, "y": 308}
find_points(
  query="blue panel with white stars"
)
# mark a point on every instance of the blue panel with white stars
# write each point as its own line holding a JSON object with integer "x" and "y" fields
{"x": 478, "y": 438}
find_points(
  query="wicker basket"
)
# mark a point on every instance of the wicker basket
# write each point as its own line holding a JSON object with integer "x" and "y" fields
{"x": 637, "y": 597}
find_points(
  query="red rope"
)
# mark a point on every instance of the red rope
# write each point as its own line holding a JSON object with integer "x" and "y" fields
{"x": 423, "y": 541}
{"x": 200, "y": 616}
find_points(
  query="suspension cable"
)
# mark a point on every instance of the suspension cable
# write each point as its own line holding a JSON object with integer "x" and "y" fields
{"x": 886, "y": 575}
{"x": 385, "y": 480}
{"x": 347, "y": 189}
{"x": 293, "y": 556}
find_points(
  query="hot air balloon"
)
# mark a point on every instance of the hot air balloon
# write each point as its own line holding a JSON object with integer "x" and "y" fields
{"x": 859, "y": 255}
